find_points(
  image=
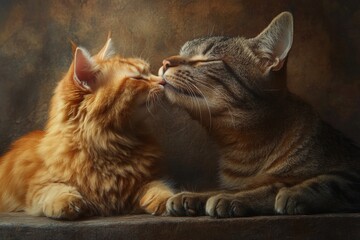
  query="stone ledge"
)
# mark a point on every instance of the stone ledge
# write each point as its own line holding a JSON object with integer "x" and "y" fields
{"x": 329, "y": 226}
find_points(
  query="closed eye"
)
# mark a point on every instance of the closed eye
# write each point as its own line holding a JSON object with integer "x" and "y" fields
{"x": 204, "y": 62}
{"x": 138, "y": 78}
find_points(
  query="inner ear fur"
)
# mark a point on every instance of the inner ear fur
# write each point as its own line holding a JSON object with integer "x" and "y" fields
{"x": 107, "y": 50}
{"x": 84, "y": 70}
{"x": 273, "y": 44}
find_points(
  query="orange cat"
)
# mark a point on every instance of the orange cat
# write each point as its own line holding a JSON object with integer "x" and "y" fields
{"x": 96, "y": 155}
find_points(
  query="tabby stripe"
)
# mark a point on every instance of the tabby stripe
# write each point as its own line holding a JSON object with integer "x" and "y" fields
{"x": 240, "y": 81}
{"x": 236, "y": 174}
{"x": 286, "y": 154}
{"x": 231, "y": 93}
{"x": 208, "y": 48}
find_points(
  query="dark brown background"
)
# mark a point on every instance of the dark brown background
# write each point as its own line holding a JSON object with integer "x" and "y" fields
{"x": 323, "y": 66}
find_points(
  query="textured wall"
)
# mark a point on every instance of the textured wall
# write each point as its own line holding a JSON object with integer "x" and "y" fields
{"x": 323, "y": 67}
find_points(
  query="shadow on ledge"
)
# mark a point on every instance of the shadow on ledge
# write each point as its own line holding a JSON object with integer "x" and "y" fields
{"x": 329, "y": 226}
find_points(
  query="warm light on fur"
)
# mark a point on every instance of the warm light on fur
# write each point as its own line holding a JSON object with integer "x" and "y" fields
{"x": 96, "y": 155}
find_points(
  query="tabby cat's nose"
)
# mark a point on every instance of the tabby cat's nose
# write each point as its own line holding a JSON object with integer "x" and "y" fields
{"x": 173, "y": 62}
{"x": 166, "y": 64}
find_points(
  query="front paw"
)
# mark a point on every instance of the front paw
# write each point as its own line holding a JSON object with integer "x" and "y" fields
{"x": 186, "y": 204}
{"x": 154, "y": 202}
{"x": 226, "y": 206}
{"x": 291, "y": 201}
{"x": 65, "y": 206}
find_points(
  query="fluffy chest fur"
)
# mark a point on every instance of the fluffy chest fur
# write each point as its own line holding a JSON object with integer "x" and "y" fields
{"x": 110, "y": 184}
{"x": 97, "y": 155}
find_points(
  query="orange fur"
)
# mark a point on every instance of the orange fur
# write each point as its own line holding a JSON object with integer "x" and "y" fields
{"x": 96, "y": 155}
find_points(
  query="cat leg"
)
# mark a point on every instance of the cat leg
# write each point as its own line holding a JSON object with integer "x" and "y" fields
{"x": 154, "y": 196}
{"x": 188, "y": 203}
{"x": 56, "y": 200}
{"x": 338, "y": 192}
{"x": 259, "y": 201}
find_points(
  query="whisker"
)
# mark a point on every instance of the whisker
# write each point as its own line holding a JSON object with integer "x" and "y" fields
{"x": 152, "y": 98}
{"x": 193, "y": 97}
{"x": 224, "y": 97}
{"x": 206, "y": 101}
{"x": 211, "y": 32}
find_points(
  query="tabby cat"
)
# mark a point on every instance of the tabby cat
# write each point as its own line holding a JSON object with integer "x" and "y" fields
{"x": 96, "y": 156}
{"x": 277, "y": 156}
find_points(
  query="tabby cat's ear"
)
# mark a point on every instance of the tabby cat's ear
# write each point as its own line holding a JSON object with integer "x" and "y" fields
{"x": 274, "y": 42}
{"x": 84, "y": 70}
{"x": 107, "y": 51}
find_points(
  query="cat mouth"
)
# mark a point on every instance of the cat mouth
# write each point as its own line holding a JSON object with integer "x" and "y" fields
{"x": 180, "y": 90}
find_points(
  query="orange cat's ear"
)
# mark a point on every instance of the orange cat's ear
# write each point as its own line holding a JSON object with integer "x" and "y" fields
{"x": 73, "y": 46}
{"x": 84, "y": 70}
{"x": 273, "y": 44}
{"x": 107, "y": 51}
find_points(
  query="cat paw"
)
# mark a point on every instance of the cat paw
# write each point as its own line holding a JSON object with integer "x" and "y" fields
{"x": 65, "y": 206}
{"x": 186, "y": 204}
{"x": 154, "y": 202}
{"x": 289, "y": 201}
{"x": 225, "y": 206}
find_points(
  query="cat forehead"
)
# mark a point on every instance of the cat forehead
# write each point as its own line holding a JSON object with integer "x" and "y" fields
{"x": 127, "y": 65}
{"x": 138, "y": 63}
{"x": 208, "y": 45}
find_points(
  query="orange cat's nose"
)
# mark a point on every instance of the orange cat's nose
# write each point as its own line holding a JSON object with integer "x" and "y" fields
{"x": 158, "y": 79}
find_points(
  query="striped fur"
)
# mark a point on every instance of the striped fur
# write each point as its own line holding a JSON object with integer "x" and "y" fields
{"x": 96, "y": 156}
{"x": 277, "y": 155}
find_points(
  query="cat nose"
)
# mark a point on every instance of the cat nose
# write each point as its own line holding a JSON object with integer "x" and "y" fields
{"x": 166, "y": 64}
{"x": 173, "y": 62}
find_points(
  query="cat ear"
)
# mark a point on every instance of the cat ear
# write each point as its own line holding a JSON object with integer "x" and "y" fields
{"x": 107, "y": 51}
{"x": 274, "y": 42}
{"x": 73, "y": 46}
{"x": 84, "y": 70}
